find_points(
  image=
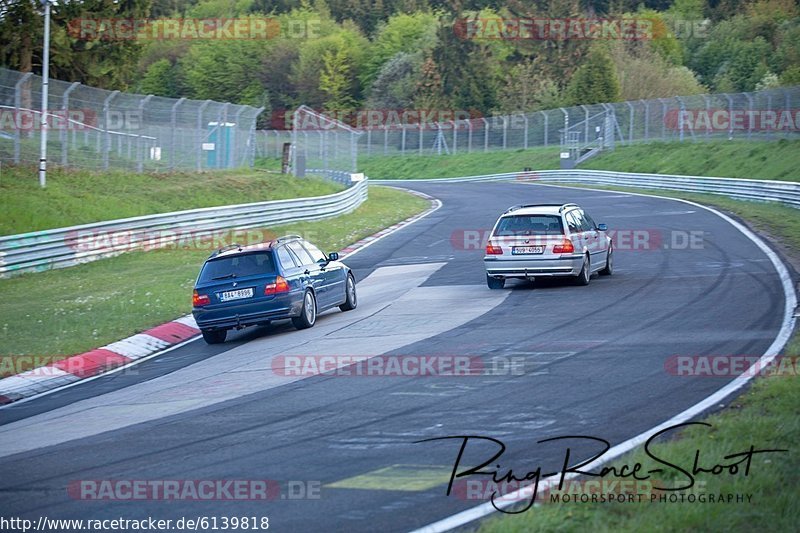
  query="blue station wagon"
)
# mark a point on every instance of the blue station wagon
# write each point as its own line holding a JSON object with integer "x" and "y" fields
{"x": 287, "y": 278}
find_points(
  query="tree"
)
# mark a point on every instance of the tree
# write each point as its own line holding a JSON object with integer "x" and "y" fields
{"x": 595, "y": 81}
{"x": 161, "y": 79}
{"x": 525, "y": 89}
{"x": 428, "y": 93}
{"x": 395, "y": 85}
{"x": 333, "y": 81}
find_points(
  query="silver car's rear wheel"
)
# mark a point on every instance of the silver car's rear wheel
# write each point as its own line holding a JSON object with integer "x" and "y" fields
{"x": 586, "y": 272}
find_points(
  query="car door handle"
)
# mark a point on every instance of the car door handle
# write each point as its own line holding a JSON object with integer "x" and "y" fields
{"x": 306, "y": 272}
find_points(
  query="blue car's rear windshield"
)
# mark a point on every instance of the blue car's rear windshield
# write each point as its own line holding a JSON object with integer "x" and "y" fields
{"x": 238, "y": 266}
{"x": 529, "y": 225}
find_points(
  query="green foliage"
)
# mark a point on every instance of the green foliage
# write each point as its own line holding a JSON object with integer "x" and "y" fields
{"x": 595, "y": 81}
{"x": 160, "y": 79}
{"x": 525, "y": 89}
{"x": 396, "y": 82}
{"x": 333, "y": 81}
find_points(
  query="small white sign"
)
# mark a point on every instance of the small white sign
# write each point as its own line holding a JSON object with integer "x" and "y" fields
{"x": 208, "y": 147}
{"x": 155, "y": 153}
{"x": 564, "y": 155}
{"x": 359, "y": 176}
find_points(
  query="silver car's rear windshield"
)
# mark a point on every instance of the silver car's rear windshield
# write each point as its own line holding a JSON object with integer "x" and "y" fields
{"x": 238, "y": 266}
{"x": 529, "y": 225}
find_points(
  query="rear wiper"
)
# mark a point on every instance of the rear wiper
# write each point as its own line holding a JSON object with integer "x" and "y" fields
{"x": 231, "y": 275}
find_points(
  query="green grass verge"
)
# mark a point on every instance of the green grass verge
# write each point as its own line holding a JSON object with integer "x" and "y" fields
{"x": 79, "y": 197}
{"x": 67, "y": 311}
{"x": 765, "y": 416}
{"x": 777, "y": 160}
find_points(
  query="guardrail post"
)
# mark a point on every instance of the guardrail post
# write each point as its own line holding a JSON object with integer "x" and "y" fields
{"x": 139, "y": 155}
{"x": 17, "y": 108}
{"x": 200, "y": 135}
{"x": 67, "y": 124}
{"x": 107, "y": 136}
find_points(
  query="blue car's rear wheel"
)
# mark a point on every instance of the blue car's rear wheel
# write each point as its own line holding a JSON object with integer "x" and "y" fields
{"x": 351, "y": 300}
{"x": 308, "y": 314}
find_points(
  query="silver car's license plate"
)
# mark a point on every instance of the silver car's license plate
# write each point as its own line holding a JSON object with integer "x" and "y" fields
{"x": 523, "y": 250}
{"x": 236, "y": 295}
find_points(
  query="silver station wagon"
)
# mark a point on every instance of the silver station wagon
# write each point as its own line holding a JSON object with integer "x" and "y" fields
{"x": 536, "y": 240}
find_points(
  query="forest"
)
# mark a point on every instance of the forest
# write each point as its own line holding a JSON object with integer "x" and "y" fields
{"x": 483, "y": 57}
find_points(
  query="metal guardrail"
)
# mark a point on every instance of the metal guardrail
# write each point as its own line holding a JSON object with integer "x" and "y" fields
{"x": 63, "y": 247}
{"x": 785, "y": 192}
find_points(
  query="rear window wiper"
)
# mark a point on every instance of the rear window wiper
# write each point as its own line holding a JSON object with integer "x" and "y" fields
{"x": 225, "y": 276}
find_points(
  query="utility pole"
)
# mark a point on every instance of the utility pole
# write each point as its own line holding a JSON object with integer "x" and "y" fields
{"x": 45, "y": 77}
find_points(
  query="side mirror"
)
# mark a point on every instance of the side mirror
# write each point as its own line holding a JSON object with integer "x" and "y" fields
{"x": 333, "y": 256}
{"x": 602, "y": 227}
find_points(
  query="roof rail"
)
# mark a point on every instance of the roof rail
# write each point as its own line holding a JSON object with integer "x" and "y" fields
{"x": 225, "y": 249}
{"x": 288, "y": 238}
{"x": 562, "y": 206}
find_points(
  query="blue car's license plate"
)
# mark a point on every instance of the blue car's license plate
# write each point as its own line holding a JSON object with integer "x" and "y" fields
{"x": 236, "y": 295}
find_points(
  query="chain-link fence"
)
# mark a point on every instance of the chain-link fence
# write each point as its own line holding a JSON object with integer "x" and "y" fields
{"x": 764, "y": 115}
{"x": 99, "y": 130}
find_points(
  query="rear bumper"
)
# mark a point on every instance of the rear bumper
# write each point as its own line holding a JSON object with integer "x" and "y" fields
{"x": 528, "y": 267}
{"x": 247, "y": 314}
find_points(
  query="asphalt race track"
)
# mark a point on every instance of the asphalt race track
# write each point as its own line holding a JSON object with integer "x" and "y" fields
{"x": 586, "y": 361}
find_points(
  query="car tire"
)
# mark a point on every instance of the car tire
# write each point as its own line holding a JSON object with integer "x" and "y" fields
{"x": 308, "y": 314}
{"x": 495, "y": 283}
{"x": 585, "y": 275}
{"x": 214, "y": 336}
{"x": 609, "y": 268}
{"x": 351, "y": 300}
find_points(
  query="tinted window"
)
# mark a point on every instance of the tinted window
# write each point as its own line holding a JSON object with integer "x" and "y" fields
{"x": 238, "y": 266}
{"x": 529, "y": 225}
{"x": 315, "y": 252}
{"x": 573, "y": 222}
{"x": 300, "y": 252}
{"x": 286, "y": 258}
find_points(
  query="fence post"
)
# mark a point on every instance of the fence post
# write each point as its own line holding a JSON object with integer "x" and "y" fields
{"x": 585, "y": 123}
{"x": 353, "y": 152}
{"x": 403, "y": 139}
{"x": 681, "y": 112}
{"x": 749, "y": 114}
{"x": 730, "y": 115}
{"x": 200, "y": 135}
{"x": 563, "y": 139}
{"x": 546, "y": 126}
{"x": 173, "y": 126}
{"x": 251, "y": 138}
{"x": 630, "y": 122}
{"x": 139, "y": 155}
{"x": 420, "y": 137}
{"x": 525, "y": 134}
{"x": 17, "y": 107}
{"x": 708, "y": 115}
{"x": 646, "y": 118}
{"x": 469, "y": 136}
{"x": 107, "y": 136}
{"x": 68, "y": 125}
{"x": 505, "y": 131}
{"x": 663, "y": 115}
{"x": 236, "y": 118}
{"x": 485, "y": 134}
{"x": 385, "y": 139}
{"x": 455, "y": 136}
